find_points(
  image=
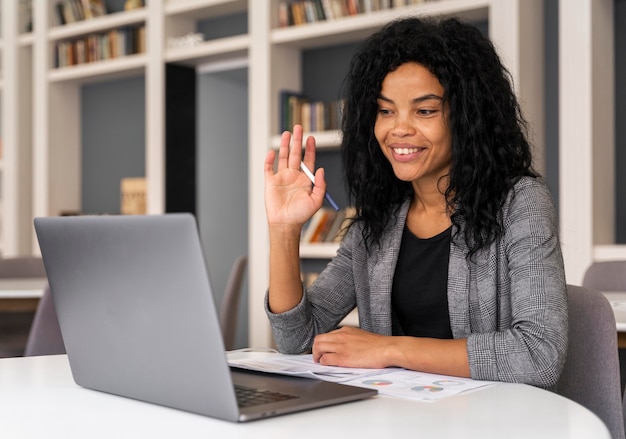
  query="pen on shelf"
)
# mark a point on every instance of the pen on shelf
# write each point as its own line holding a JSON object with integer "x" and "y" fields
{"x": 312, "y": 178}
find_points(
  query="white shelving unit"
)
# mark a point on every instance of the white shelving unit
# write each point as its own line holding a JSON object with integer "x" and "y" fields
{"x": 587, "y": 135}
{"x": 16, "y": 192}
{"x": 41, "y": 104}
{"x": 275, "y": 65}
{"x": 56, "y": 117}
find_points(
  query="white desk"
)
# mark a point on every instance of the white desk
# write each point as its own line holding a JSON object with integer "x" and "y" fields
{"x": 618, "y": 302}
{"x": 21, "y": 294}
{"x": 38, "y": 399}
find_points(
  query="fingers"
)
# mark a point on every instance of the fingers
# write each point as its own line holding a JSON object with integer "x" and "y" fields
{"x": 295, "y": 155}
{"x": 291, "y": 146}
{"x": 319, "y": 186}
{"x": 309, "y": 153}
{"x": 283, "y": 151}
{"x": 269, "y": 163}
{"x": 324, "y": 344}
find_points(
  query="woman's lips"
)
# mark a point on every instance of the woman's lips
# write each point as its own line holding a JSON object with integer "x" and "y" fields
{"x": 406, "y": 153}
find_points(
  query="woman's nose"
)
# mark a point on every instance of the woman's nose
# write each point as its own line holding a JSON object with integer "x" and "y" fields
{"x": 402, "y": 126}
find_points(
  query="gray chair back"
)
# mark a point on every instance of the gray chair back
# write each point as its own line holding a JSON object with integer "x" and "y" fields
{"x": 230, "y": 302}
{"x": 606, "y": 276}
{"x": 591, "y": 373}
{"x": 45, "y": 337}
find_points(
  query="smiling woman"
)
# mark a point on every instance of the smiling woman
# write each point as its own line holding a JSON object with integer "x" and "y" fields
{"x": 412, "y": 131}
{"x": 453, "y": 258}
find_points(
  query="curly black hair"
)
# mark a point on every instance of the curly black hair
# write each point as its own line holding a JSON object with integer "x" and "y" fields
{"x": 490, "y": 149}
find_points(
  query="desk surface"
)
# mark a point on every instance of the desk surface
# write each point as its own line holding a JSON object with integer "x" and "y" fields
{"x": 618, "y": 302}
{"x": 38, "y": 399}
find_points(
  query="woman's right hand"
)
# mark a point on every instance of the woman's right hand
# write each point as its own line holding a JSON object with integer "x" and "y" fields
{"x": 290, "y": 197}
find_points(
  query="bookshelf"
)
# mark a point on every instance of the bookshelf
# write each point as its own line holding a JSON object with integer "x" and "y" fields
{"x": 57, "y": 145}
{"x": 587, "y": 128}
{"x": 276, "y": 64}
{"x": 41, "y": 104}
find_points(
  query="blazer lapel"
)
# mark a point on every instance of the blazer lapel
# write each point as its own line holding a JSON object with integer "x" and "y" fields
{"x": 381, "y": 268}
{"x": 458, "y": 287}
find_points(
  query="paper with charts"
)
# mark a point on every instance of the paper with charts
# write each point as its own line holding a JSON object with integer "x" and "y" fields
{"x": 396, "y": 382}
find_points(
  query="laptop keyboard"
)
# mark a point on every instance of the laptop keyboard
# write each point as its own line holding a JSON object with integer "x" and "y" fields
{"x": 247, "y": 396}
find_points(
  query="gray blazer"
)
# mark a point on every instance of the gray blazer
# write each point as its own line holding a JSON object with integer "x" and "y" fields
{"x": 509, "y": 302}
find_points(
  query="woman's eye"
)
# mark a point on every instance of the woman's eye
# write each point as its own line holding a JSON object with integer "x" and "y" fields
{"x": 384, "y": 111}
{"x": 426, "y": 112}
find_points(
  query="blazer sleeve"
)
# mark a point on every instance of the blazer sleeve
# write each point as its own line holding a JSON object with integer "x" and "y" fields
{"x": 324, "y": 304}
{"x": 529, "y": 341}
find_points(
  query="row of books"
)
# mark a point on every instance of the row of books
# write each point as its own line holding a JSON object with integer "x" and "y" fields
{"x": 326, "y": 225}
{"x": 314, "y": 116}
{"x": 292, "y": 13}
{"x": 97, "y": 47}
{"x": 71, "y": 11}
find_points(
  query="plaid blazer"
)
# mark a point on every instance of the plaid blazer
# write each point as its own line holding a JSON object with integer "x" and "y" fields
{"x": 509, "y": 301}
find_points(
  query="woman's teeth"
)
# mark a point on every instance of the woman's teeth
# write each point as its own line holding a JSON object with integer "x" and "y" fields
{"x": 405, "y": 151}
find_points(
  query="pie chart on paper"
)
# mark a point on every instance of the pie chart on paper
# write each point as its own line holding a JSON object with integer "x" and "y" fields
{"x": 427, "y": 389}
{"x": 377, "y": 382}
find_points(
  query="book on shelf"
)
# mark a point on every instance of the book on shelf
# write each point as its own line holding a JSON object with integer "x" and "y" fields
{"x": 321, "y": 232}
{"x": 314, "y": 116}
{"x": 101, "y": 46}
{"x": 311, "y": 227}
{"x": 133, "y": 196}
{"x": 326, "y": 225}
{"x": 133, "y": 4}
{"x": 299, "y": 12}
{"x": 71, "y": 11}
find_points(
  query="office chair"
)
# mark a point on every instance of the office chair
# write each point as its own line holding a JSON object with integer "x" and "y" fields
{"x": 606, "y": 276}
{"x": 45, "y": 337}
{"x": 591, "y": 375}
{"x": 609, "y": 276}
{"x": 230, "y": 302}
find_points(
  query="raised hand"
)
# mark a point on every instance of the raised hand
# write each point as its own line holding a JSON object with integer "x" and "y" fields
{"x": 290, "y": 198}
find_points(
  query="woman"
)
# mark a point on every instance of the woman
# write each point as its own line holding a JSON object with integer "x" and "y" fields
{"x": 453, "y": 259}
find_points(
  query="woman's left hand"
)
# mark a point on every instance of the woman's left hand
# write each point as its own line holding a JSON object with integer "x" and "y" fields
{"x": 351, "y": 347}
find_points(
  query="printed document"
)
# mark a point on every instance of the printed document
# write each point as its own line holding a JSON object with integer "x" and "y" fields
{"x": 396, "y": 382}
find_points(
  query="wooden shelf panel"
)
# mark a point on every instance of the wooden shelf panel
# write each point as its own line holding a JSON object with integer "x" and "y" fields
{"x": 325, "y": 250}
{"x": 128, "y": 65}
{"x": 99, "y": 24}
{"x": 609, "y": 252}
{"x": 26, "y": 39}
{"x": 323, "y": 140}
{"x": 210, "y": 51}
{"x": 202, "y": 9}
{"x": 356, "y": 28}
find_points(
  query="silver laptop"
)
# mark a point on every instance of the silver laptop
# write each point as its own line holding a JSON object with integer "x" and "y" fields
{"x": 138, "y": 319}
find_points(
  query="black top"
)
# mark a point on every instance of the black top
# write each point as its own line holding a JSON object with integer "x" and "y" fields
{"x": 419, "y": 298}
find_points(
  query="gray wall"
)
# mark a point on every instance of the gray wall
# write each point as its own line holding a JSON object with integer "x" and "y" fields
{"x": 222, "y": 169}
{"x": 113, "y": 139}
